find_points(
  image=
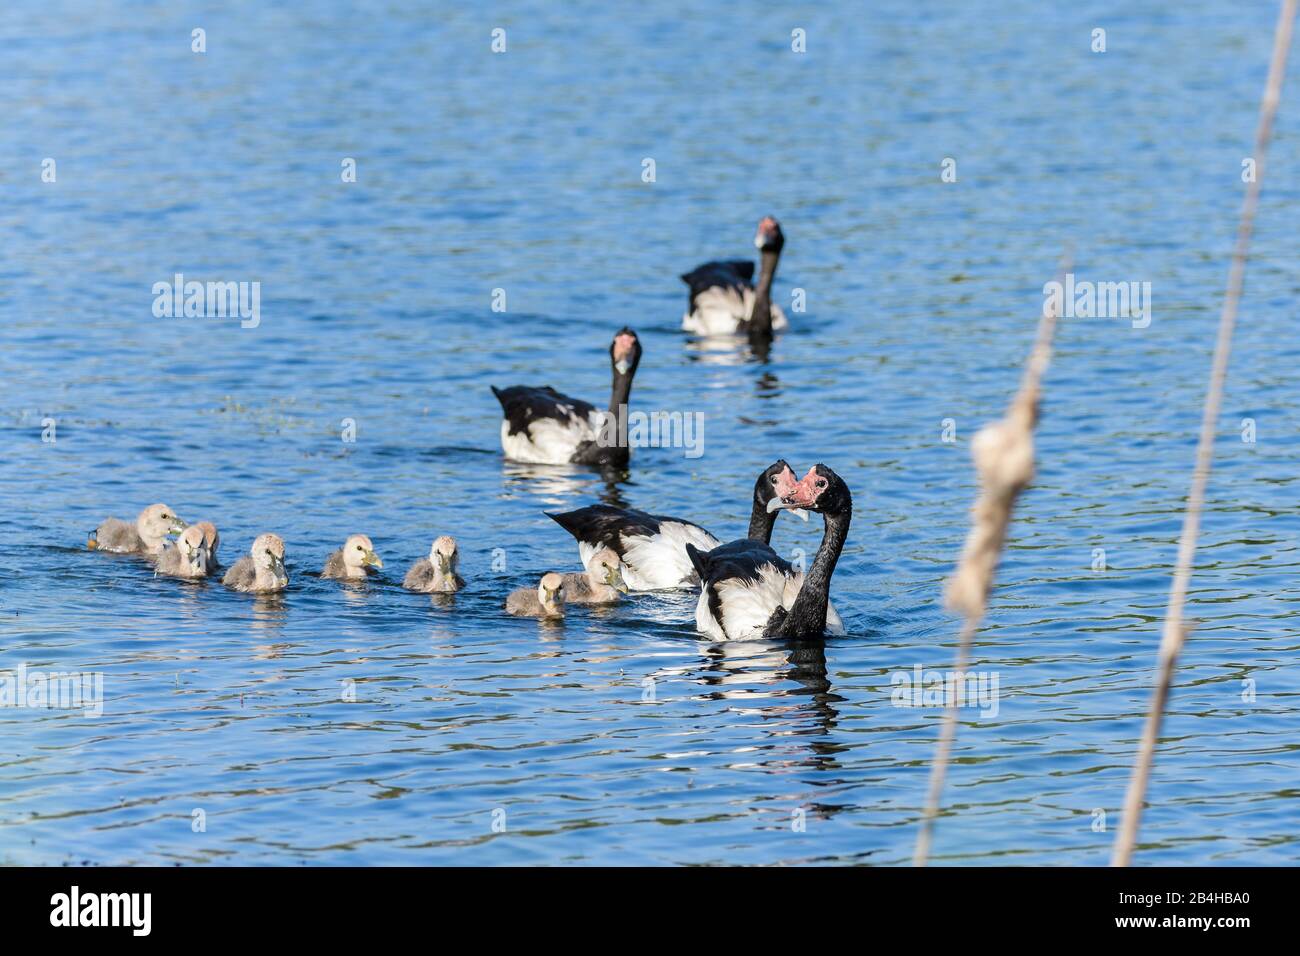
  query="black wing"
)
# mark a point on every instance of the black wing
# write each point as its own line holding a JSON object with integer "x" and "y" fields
{"x": 607, "y": 526}
{"x": 523, "y": 404}
{"x": 735, "y": 274}
{"x": 736, "y": 559}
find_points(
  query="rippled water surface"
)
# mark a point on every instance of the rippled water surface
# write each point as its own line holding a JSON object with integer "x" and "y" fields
{"x": 620, "y": 737}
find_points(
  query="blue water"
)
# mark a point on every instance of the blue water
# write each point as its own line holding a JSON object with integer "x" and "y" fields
{"x": 522, "y": 171}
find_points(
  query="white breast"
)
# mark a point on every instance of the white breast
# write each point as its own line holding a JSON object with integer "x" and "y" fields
{"x": 548, "y": 441}
{"x": 745, "y": 607}
{"x": 717, "y": 311}
{"x": 721, "y": 310}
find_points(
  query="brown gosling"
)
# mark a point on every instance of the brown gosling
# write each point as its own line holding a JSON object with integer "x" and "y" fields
{"x": 213, "y": 541}
{"x": 547, "y": 600}
{"x": 350, "y": 562}
{"x": 601, "y": 583}
{"x": 189, "y": 557}
{"x": 261, "y": 571}
{"x": 147, "y": 536}
{"x": 437, "y": 572}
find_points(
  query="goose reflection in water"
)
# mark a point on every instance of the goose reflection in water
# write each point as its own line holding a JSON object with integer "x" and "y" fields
{"x": 768, "y": 385}
{"x": 269, "y": 614}
{"x": 786, "y": 685}
{"x": 728, "y": 350}
{"x": 561, "y": 484}
{"x": 718, "y": 350}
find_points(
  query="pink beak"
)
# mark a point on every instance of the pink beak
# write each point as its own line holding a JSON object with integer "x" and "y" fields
{"x": 623, "y": 345}
{"x": 792, "y": 494}
{"x": 805, "y": 493}
{"x": 786, "y": 484}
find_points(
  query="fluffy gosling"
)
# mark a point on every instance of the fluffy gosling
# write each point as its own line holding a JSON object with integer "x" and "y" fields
{"x": 188, "y": 558}
{"x": 213, "y": 541}
{"x": 352, "y": 561}
{"x": 436, "y": 573}
{"x": 147, "y": 536}
{"x": 602, "y": 583}
{"x": 546, "y": 601}
{"x": 261, "y": 571}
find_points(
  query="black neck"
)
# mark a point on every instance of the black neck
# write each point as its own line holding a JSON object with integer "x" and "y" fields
{"x": 807, "y": 618}
{"x": 761, "y": 522}
{"x": 760, "y": 319}
{"x": 593, "y": 453}
{"x": 621, "y": 390}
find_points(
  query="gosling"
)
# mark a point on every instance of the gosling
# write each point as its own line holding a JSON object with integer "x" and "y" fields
{"x": 213, "y": 541}
{"x": 350, "y": 562}
{"x": 437, "y": 572}
{"x": 601, "y": 583}
{"x": 188, "y": 559}
{"x": 147, "y": 536}
{"x": 261, "y": 571}
{"x": 546, "y": 601}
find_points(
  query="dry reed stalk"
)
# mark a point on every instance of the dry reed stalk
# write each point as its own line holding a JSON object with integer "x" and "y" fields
{"x": 1175, "y": 631}
{"x": 1004, "y": 457}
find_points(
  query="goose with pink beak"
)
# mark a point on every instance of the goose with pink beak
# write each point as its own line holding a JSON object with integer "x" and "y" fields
{"x": 651, "y": 549}
{"x": 749, "y": 592}
{"x": 542, "y": 426}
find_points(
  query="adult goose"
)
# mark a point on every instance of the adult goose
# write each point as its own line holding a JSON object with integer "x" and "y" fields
{"x": 542, "y": 426}
{"x": 748, "y": 591}
{"x": 723, "y": 297}
{"x": 652, "y": 548}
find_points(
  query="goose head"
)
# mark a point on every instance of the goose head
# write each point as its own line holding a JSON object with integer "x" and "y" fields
{"x": 774, "y": 485}
{"x": 359, "y": 554}
{"x": 194, "y": 549}
{"x": 769, "y": 237}
{"x": 550, "y": 593}
{"x": 268, "y": 556}
{"x": 608, "y": 570}
{"x": 210, "y": 536}
{"x": 444, "y": 555}
{"x": 625, "y": 352}
{"x": 157, "y": 522}
{"x": 823, "y": 491}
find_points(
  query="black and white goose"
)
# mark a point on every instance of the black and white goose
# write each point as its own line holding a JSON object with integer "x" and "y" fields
{"x": 748, "y": 591}
{"x": 652, "y": 548}
{"x": 542, "y": 426}
{"x": 724, "y": 299}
